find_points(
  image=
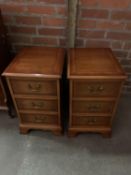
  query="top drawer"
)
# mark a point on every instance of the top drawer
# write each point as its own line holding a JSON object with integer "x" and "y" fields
{"x": 24, "y": 86}
{"x": 95, "y": 88}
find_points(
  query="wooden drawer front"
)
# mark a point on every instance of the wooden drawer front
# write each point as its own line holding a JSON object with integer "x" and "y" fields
{"x": 39, "y": 118}
{"x": 45, "y": 87}
{"x": 91, "y": 121}
{"x": 92, "y": 107}
{"x": 33, "y": 104}
{"x": 98, "y": 89}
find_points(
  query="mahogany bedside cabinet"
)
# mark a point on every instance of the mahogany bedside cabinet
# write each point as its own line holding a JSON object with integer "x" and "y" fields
{"x": 95, "y": 82}
{"x": 34, "y": 78}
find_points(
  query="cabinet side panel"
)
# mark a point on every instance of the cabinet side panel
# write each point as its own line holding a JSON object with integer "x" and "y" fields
{"x": 12, "y": 95}
{"x": 58, "y": 101}
{"x": 117, "y": 100}
{"x": 70, "y": 102}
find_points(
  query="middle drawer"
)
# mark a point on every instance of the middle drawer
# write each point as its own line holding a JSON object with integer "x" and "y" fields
{"x": 35, "y": 104}
{"x": 92, "y": 106}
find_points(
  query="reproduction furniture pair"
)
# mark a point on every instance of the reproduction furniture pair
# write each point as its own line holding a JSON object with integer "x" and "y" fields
{"x": 95, "y": 81}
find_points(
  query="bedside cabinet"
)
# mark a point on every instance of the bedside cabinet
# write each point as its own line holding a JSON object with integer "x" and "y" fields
{"x": 95, "y": 82}
{"x": 34, "y": 78}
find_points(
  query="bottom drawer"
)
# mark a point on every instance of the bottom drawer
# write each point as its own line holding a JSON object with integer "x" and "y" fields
{"x": 90, "y": 121}
{"x": 39, "y": 118}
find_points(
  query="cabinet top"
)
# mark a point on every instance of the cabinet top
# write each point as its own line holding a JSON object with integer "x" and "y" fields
{"x": 93, "y": 63}
{"x": 37, "y": 62}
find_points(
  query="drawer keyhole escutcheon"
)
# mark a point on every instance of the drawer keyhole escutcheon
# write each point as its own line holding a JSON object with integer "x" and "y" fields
{"x": 37, "y": 105}
{"x": 35, "y": 87}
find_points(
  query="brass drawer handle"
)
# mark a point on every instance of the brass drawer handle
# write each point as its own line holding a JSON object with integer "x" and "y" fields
{"x": 100, "y": 88}
{"x": 37, "y": 105}
{"x": 94, "y": 107}
{"x": 39, "y": 119}
{"x": 35, "y": 87}
{"x": 90, "y": 120}
{"x": 96, "y": 88}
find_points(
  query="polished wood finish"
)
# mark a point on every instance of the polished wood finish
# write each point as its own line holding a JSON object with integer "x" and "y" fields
{"x": 39, "y": 118}
{"x": 37, "y": 62}
{"x": 95, "y": 88}
{"x": 37, "y": 104}
{"x": 34, "y": 79}
{"x": 90, "y": 121}
{"x": 33, "y": 86}
{"x": 92, "y": 63}
{"x": 95, "y": 82}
